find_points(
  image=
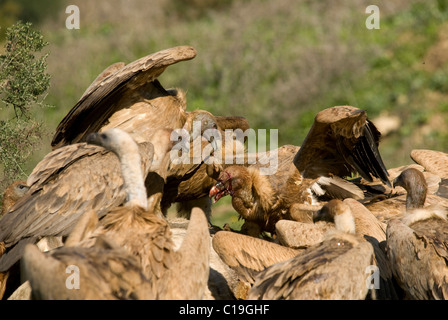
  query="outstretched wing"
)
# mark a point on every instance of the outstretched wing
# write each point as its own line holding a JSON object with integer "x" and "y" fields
{"x": 121, "y": 89}
{"x": 342, "y": 141}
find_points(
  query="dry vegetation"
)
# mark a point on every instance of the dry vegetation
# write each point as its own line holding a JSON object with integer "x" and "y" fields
{"x": 275, "y": 62}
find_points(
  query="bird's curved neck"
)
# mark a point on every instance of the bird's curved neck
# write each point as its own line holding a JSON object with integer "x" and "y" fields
{"x": 133, "y": 179}
{"x": 416, "y": 197}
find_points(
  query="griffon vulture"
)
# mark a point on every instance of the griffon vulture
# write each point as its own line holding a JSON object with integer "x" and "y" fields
{"x": 132, "y": 98}
{"x": 335, "y": 269}
{"x": 417, "y": 243}
{"x": 386, "y": 207}
{"x": 68, "y": 182}
{"x": 341, "y": 142}
{"x": 127, "y": 90}
{"x": 136, "y": 229}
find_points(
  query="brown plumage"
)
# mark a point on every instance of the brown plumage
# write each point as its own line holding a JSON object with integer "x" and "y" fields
{"x": 128, "y": 89}
{"x": 248, "y": 255}
{"x": 264, "y": 199}
{"x": 67, "y": 182}
{"x": 190, "y": 182}
{"x": 392, "y": 202}
{"x": 298, "y": 234}
{"x": 13, "y": 192}
{"x": 104, "y": 74}
{"x": 432, "y": 180}
{"x": 433, "y": 161}
{"x": 106, "y": 272}
{"x": 333, "y": 269}
{"x": 367, "y": 226}
{"x": 131, "y": 98}
{"x": 143, "y": 234}
{"x": 232, "y": 122}
{"x": 417, "y": 243}
{"x": 414, "y": 182}
{"x": 168, "y": 271}
{"x": 341, "y": 142}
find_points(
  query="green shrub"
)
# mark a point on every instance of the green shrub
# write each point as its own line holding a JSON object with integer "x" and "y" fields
{"x": 23, "y": 82}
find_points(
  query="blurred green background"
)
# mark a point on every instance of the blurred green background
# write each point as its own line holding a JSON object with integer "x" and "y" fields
{"x": 275, "y": 62}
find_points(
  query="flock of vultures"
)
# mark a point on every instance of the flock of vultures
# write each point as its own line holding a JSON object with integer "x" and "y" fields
{"x": 331, "y": 222}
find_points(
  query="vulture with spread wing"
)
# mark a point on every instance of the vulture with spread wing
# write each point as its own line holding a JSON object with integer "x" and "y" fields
{"x": 130, "y": 97}
{"x": 341, "y": 142}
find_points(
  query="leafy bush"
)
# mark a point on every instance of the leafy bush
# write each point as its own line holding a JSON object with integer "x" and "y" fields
{"x": 23, "y": 82}
{"x": 22, "y": 74}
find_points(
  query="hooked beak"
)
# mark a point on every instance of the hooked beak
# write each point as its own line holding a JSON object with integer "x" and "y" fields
{"x": 396, "y": 182}
{"x": 218, "y": 191}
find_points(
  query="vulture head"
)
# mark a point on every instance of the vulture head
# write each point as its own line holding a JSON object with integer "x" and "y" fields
{"x": 414, "y": 182}
{"x": 12, "y": 194}
{"x": 229, "y": 181}
{"x": 337, "y": 212}
{"x": 115, "y": 140}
